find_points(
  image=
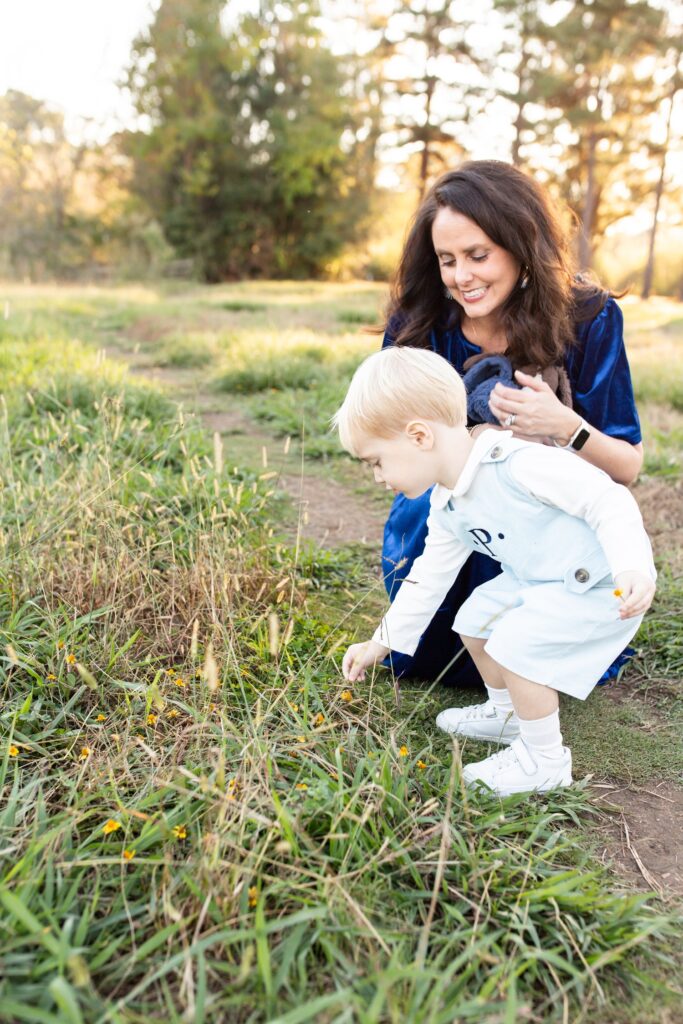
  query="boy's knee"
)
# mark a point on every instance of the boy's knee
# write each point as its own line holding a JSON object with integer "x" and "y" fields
{"x": 474, "y": 644}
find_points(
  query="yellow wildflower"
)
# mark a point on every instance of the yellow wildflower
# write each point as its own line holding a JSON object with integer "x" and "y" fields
{"x": 173, "y": 713}
{"x": 346, "y": 695}
{"x": 421, "y": 765}
{"x": 253, "y": 895}
{"x": 179, "y": 681}
{"x": 60, "y": 645}
{"x": 180, "y": 832}
{"x": 294, "y": 707}
{"x": 403, "y": 751}
{"x": 170, "y": 671}
{"x": 51, "y": 677}
{"x": 111, "y": 826}
{"x": 618, "y": 592}
{"x": 13, "y": 751}
{"x": 101, "y": 718}
{"x": 151, "y": 719}
{"x": 84, "y": 754}
{"x": 128, "y": 854}
{"x": 301, "y": 785}
{"x": 319, "y": 718}
{"x": 301, "y": 739}
{"x": 71, "y": 659}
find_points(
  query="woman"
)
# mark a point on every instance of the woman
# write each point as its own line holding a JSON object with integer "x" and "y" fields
{"x": 486, "y": 271}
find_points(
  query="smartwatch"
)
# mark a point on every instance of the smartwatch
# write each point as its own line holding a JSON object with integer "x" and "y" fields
{"x": 578, "y": 438}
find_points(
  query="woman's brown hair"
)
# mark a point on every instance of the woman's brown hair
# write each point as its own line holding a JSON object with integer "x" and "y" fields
{"x": 513, "y": 210}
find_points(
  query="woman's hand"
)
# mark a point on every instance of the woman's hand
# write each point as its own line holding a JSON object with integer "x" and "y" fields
{"x": 635, "y": 590}
{"x": 537, "y": 411}
{"x": 361, "y": 656}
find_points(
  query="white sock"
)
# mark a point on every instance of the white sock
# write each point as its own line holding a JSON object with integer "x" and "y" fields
{"x": 542, "y": 735}
{"x": 502, "y": 701}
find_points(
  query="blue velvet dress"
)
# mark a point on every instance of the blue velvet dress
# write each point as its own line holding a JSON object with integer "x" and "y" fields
{"x": 602, "y": 393}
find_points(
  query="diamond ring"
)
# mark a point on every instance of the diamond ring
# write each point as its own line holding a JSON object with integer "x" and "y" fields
{"x": 509, "y": 420}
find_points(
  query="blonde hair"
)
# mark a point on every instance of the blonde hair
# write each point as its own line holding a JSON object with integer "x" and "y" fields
{"x": 395, "y": 386}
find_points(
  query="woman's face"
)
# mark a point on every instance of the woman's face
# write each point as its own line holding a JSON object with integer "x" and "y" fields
{"x": 479, "y": 274}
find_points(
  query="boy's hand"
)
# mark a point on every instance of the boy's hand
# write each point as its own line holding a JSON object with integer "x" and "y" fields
{"x": 635, "y": 590}
{"x": 361, "y": 656}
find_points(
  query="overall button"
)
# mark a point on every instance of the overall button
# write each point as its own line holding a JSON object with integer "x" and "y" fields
{"x": 582, "y": 575}
{"x": 496, "y": 452}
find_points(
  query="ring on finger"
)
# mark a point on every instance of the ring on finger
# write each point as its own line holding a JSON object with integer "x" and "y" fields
{"x": 510, "y": 420}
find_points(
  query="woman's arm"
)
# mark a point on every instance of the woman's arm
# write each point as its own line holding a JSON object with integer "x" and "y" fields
{"x": 540, "y": 414}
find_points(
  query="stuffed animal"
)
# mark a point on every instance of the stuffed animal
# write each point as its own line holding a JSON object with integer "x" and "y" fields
{"x": 482, "y": 373}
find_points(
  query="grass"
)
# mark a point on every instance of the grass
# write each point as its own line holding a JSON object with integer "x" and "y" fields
{"x": 199, "y": 820}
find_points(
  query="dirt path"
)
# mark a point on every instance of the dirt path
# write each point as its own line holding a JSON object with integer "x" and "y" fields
{"x": 324, "y": 511}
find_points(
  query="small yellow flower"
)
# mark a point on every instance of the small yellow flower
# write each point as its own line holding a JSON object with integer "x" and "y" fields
{"x": 128, "y": 854}
{"x": 253, "y": 895}
{"x": 101, "y": 718}
{"x": 71, "y": 659}
{"x": 84, "y": 754}
{"x": 151, "y": 719}
{"x": 173, "y": 713}
{"x": 180, "y": 832}
{"x": 179, "y": 681}
{"x": 301, "y": 739}
{"x": 294, "y": 707}
{"x": 60, "y": 645}
{"x": 319, "y": 718}
{"x": 421, "y": 765}
{"x": 346, "y": 695}
{"x": 111, "y": 826}
{"x": 301, "y": 785}
{"x": 13, "y": 751}
{"x": 232, "y": 784}
{"x": 403, "y": 751}
{"x": 618, "y": 592}
{"x": 170, "y": 671}
{"x": 51, "y": 677}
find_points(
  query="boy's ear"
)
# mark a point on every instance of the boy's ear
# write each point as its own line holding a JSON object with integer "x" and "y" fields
{"x": 420, "y": 433}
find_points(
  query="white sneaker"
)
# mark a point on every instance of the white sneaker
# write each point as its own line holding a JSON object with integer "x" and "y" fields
{"x": 517, "y": 770}
{"x": 480, "y": 722}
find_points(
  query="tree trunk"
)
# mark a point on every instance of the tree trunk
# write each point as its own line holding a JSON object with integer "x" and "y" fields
{"x": 589, "y": 208}
{"x": 650, "y": 265}
{"x": 424, "y": 161}
{"x": 520, "y": 120}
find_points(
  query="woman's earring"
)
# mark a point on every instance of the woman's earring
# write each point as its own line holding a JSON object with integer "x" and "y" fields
{"x": 524, "y": 281}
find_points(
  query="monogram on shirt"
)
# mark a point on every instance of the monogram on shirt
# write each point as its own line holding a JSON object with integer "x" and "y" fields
{"x": 482, "y": 539}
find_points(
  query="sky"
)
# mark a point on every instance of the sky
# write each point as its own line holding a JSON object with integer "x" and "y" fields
{"x": 71, "y": 53}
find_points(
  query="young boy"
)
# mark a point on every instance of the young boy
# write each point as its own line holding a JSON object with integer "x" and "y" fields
{"x": 577, "y": 565}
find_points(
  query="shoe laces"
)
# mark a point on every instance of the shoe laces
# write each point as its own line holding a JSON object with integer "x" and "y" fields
{"x": 479, "y": 711}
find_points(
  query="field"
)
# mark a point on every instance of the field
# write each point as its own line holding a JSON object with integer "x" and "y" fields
{"x": 199, "y": 820}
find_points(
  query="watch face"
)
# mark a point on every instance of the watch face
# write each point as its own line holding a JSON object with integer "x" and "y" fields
{"x": 580, "y": 439}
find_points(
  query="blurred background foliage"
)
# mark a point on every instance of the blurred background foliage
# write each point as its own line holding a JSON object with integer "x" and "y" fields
{"x": 294, "y": 139}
